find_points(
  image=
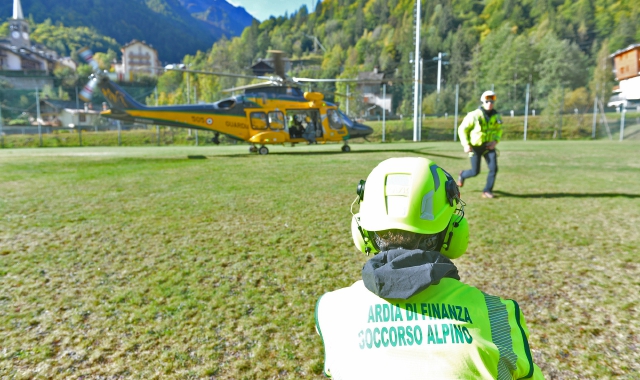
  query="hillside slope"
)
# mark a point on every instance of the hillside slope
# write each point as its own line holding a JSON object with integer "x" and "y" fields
{"x": 166, "y": 24}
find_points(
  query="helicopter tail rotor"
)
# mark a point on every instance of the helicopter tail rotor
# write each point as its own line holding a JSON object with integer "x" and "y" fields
{"x": 86, "y": 54}
{"x": 87, "y": 91}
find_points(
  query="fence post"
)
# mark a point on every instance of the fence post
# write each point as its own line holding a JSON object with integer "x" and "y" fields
{"x": 526, "y": 112}
{"x": 38, "y": 116}
{"x": 155, "y": 92}
{"x": 384, "y": 110}
{"x": 455, "y": 120}
{"x": 1, "y": 133}
{"x": 119, "y": 134}
{"x": 561, "y": 114}
{"x": 80, "y": 136}
{"x": 623, "y": 112}
{"x": 595, "y": 114}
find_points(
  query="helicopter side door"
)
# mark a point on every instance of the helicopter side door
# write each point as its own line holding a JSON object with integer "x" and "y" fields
{"x": 304, "y": 123}
{"x": 267, "y": 127}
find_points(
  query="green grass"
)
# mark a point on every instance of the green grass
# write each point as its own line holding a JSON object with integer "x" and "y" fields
{"x": 138, "y": 262}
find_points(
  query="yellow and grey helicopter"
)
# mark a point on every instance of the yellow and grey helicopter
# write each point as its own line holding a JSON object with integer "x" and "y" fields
{"x": 273, "y": 112}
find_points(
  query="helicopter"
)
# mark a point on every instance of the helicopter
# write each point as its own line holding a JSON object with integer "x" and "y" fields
{"x": 273, "y": 112}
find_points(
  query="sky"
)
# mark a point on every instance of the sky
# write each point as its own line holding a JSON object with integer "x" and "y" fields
{"x": 263, "y": 9}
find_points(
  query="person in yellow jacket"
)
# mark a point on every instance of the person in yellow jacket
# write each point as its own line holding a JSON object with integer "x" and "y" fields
{"x": 410, "y": 317}
{"x": 480, "y": 132}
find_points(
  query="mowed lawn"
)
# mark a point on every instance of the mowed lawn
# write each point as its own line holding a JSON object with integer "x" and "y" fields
{"x": 142, "y": 263}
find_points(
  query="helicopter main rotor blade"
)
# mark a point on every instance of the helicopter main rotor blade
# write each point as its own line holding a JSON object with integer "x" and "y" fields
{"x": 248, "y": 86}
{"x": 222, "y": 74}
{"x": 311, "y": 80}
{"x": 363, "y": 81}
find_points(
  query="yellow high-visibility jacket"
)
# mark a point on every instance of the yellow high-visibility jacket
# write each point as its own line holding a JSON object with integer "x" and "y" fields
{"x": 449, "y": 330}
{"x": 475, "y": 130}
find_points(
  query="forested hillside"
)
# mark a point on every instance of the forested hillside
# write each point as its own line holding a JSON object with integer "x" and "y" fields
{"x": 559, "y": 47}
{"x": 65, "y": 40}
{"x": 166, "y": 24}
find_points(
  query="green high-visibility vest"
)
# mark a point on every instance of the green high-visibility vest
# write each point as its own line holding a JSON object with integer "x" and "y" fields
{"x": 475, "y": 130}
{"x": 447, "y": 331}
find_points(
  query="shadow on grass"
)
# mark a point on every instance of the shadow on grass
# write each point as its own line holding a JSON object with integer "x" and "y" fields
{"x": 327, "y": 153}
{"x": 566, "y": 195}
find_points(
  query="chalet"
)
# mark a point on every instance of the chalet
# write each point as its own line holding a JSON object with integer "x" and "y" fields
{"x": 265, "y": 66}
{"x": 138, "y": 58}
{"x": 627, "y": 70}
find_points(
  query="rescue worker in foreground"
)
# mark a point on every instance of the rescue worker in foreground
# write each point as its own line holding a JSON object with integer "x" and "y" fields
{"x": 410, "y": 317}
{"x": 480, "y": 132}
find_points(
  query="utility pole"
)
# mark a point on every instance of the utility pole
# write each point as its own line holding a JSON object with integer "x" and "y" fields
{"x": 421, "y": 113}
{"x": 440, "y": 63}
{"x": 416, "y": 83}
{"x": 348, "y": 95}
{"x": 189, "y": 92}
{"x": 455, "y": 122}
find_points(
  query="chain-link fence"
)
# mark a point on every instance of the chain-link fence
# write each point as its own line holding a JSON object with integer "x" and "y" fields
{"x": 562, "y": 114}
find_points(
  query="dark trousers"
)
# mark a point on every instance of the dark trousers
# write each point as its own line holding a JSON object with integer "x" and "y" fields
{"x": 492, "y": 162}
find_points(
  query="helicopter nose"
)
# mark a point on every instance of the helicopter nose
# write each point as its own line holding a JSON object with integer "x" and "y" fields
{"x": 360, "y": 130}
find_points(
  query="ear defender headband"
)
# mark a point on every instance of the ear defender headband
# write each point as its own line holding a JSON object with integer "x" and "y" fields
{"x": 453, "y": 240}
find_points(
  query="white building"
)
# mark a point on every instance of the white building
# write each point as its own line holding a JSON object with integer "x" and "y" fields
{"x": 138, "y": 58}
{"x": 370, "y": 86}
{"x": 627, "y": 70}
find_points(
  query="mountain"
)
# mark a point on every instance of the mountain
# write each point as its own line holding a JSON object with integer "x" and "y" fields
{"x": 219, "y": 15}
{"x": 168, "y": 25}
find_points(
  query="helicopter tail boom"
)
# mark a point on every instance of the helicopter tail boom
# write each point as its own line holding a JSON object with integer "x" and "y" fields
{"x": 118, "y": 99}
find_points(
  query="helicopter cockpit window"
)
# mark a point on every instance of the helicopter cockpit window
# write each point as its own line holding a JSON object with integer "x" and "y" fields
{"x": 226, "y": 104}
{"x": 335, "y": 121}
{"x": 276, "y": 120}
{"x": 345, "y": 119}
{"x": 258, "y": 120}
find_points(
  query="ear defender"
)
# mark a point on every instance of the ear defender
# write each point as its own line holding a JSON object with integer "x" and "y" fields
{"x": 453, "y": 239}
{"x": 362, "y": 239}
{"x": 456, "y": 237}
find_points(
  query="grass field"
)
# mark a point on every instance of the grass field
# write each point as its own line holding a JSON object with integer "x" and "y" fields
{"x": 141, "y": 263}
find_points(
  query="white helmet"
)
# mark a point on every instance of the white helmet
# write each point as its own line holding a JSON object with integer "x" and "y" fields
{"x": 488, "y": 95}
